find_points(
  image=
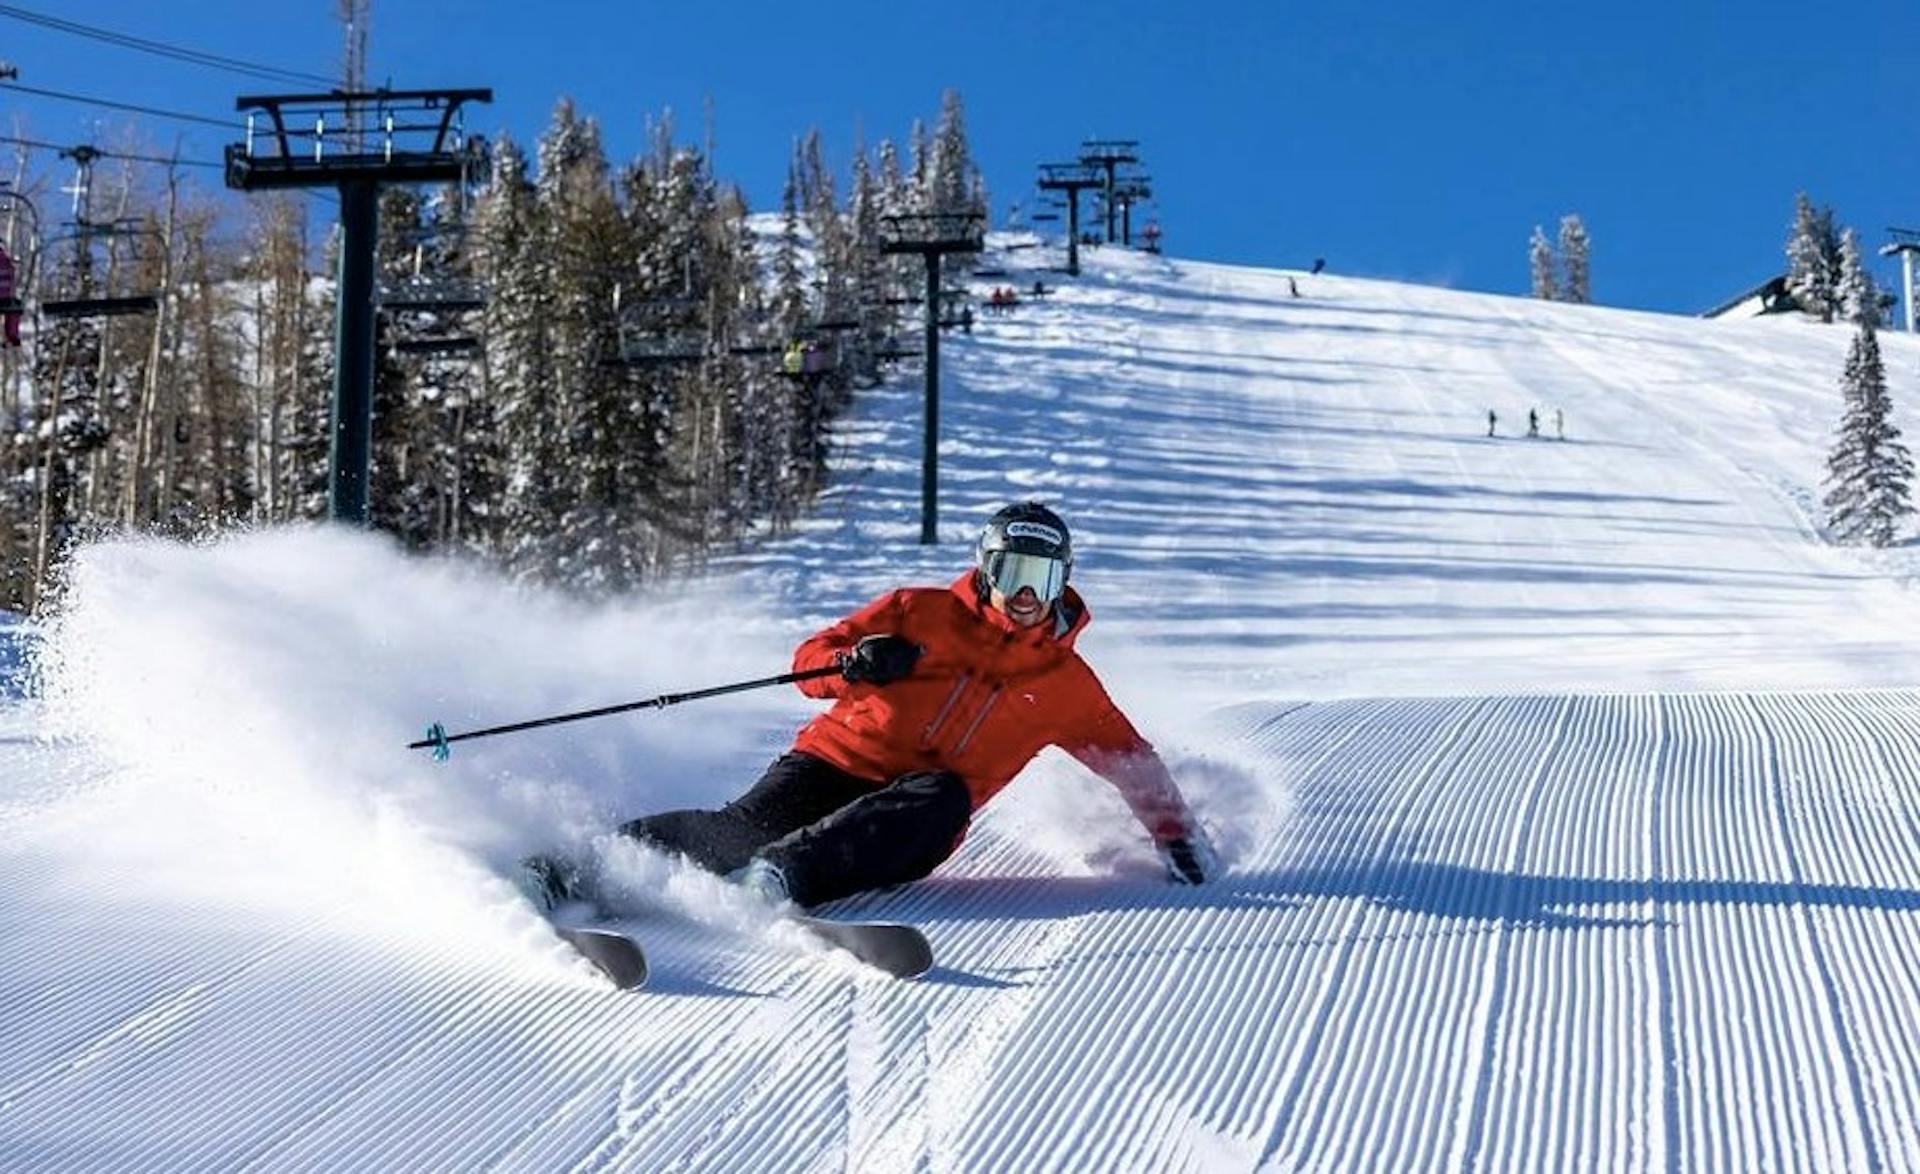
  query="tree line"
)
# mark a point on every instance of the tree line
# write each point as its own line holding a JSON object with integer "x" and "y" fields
{"x": 589, "y": 374}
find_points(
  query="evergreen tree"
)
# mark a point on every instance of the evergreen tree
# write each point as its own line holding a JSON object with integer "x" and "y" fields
{"x": 402, "y": 497}
{"x": 867, "y": 283}
{"x": 1540, "y": 260}
{"x": 1859, "y": 296}
{"x": 519, "y": 360}
{"x": 1869, "y": 472}
{"x": 920, "y": 160}
{"x": 1575, "y": 261}
{"x": 1813, "y": 259}
{"x": 601, "y": 545}
{"x": 952, "y": 182}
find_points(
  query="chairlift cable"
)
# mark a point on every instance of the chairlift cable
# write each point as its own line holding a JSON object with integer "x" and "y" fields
{"x": 223, "y": 124}
{"x": 162, "y": 49}
{"x": 106, "y": 154}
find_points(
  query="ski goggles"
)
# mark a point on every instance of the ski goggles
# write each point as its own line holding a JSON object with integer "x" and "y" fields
{"x": 1009, "y": 570}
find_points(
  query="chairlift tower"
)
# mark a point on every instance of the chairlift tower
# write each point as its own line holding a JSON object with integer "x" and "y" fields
{"x": 1071, "y": 178}
{"x": 1128, "y": 191}
{"x": 933, "y": 236}
{"x": 413, "y": 137}
{"x": 1905, "y": 243}
{"x": 1109, "y": 155}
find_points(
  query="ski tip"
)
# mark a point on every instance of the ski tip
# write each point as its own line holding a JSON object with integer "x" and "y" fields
{"x": 614, "y": 954}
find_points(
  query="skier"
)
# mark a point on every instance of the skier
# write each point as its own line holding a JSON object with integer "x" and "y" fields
{"x": 1533, "y": 421}
{"x": 1559, "y": 425}
{"x": 944, "y": 694}
{"x": 1491, "y": 421}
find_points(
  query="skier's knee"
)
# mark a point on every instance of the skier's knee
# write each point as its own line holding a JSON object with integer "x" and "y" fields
{"x": 944, "y": 792}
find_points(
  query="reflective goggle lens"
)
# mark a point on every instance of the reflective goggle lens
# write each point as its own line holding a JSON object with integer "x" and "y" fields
{"x": 1010, "y": 571}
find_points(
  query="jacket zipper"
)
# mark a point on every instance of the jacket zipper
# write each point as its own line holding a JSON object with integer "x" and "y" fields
{"x": 977, "y": 719}
{"x": 953, "y": 698}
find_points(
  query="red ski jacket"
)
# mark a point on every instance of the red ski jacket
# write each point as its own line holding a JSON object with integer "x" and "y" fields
{"x": 984, "y": 698}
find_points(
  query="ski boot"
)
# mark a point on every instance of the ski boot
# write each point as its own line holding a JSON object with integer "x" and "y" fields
{"x": 550, "y": 882}
{"x": 764, "y": 880}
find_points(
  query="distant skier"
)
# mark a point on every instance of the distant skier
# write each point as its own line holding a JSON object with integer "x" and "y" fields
{"x": 1293, "y": 286}
{"x": 1533, "y": 421}
{"x": 944, "y": 694}
{"x": 1559, "y": 425}
{"x": 1492, "y": 421}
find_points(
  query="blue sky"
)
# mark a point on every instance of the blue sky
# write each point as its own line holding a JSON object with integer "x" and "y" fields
{"x": 1393, "y": 138}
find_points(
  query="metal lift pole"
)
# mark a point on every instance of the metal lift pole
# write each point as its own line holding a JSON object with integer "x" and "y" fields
{"x": 352, "y": 442}
{"x": 930, "y": 444}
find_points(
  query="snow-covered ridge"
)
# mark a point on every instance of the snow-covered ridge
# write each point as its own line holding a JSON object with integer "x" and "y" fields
{"x": 1568, "y": 788}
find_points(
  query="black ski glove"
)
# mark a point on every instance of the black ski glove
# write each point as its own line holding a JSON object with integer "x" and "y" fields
{"x": 879, "y": 660}
{"x": 1190, "y": 860}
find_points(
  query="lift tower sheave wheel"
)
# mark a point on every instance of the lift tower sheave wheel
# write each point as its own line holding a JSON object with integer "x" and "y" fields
{"x": 932, "y": 235}
{"x": 397, "y": 136}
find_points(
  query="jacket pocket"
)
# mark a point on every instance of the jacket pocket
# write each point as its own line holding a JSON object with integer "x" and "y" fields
{"x": 946, "y": 710}
{"x": 979, "y": 717}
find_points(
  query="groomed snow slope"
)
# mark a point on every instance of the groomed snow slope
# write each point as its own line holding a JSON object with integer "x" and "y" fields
{"x": 1569, "y": 787}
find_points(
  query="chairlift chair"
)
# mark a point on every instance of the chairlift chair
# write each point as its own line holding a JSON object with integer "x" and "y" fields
{"x": 450, "y": 347}
{"x": 891, "y": 349}
{"x": 659, "y": 350}
{"x": 81, "y": 298}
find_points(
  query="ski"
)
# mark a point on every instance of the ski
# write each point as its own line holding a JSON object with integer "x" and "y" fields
{"x": 900, "y": 950}
{"x": 615, "y": 954}
{"x": 549, "y": 883}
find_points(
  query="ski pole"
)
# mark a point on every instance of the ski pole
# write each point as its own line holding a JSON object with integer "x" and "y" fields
{"x": 438, "y": 739}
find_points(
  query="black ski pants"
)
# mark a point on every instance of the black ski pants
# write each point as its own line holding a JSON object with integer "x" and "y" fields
{"x": 831, "y": 833}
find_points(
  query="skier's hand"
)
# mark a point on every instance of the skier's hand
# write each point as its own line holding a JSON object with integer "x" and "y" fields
{"x": 879, "y": 660}
{"x": 1190, "y": 859}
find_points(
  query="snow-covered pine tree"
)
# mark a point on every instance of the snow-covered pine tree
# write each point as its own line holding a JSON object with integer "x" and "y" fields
{"x": 683, "y": 269}
{"x": 1813, "y": 259}
{"x": 820, "y": 397}
{"x": 952, "y": 180}
{"x": 866, "y": 272}
{"x": 1576, "y": 259}
{"x": 602, "y": 420}
{"x": 919, "y": 159}
{"x": 1869, "y": 471}
{"x": 895, "y": 197}
{"x": 1542, "y": 265}
{"x": 1859, "y": 295}
{"x": 775, "y": 430}
{"x": 402, "y": 497}
{"x": 516, "y": 262}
